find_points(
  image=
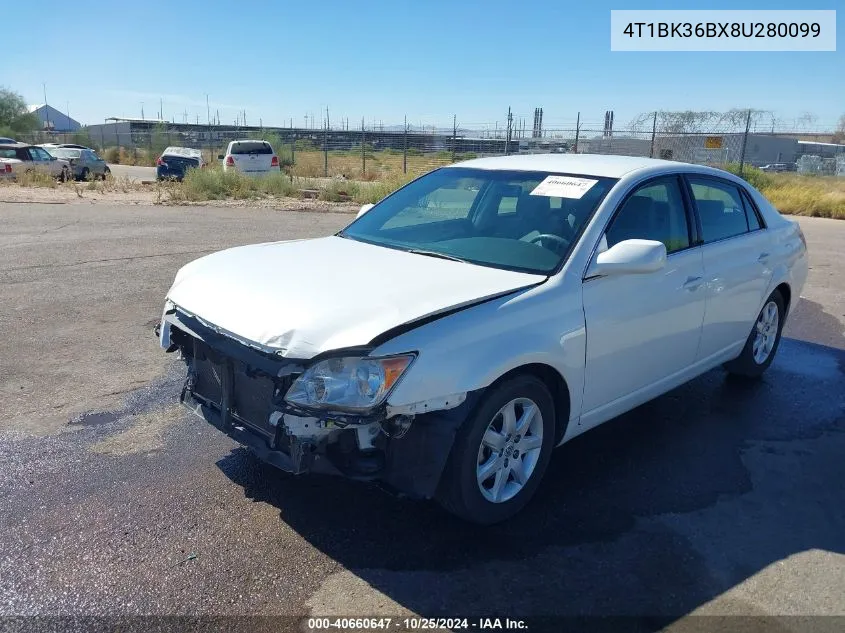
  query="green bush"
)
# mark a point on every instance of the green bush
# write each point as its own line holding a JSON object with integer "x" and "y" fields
{"x": 112, "y": 155}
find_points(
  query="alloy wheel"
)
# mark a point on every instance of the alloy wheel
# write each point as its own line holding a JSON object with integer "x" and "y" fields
{"x": 510, "y": 449}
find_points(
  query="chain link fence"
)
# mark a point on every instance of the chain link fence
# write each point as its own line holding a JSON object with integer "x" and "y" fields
{"x": 379, "y": 153}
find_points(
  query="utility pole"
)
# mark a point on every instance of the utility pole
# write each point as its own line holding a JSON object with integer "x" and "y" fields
{"x": 161, "y": 109}
{"x": 207, "y": 109}
{"x": 142, "y": 110}
{"x": 328, "y": 125}
{"x": 46, "y": 108}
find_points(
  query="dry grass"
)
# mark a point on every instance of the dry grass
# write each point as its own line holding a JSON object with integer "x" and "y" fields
{"x": 383, "y": 165}
{"x": 36, "y": 179}
{"x": 818, "y": 196}
{"x": 213, "y": 183}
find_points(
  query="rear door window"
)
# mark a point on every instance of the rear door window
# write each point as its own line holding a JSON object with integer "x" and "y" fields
{"x": 720, "y": 209}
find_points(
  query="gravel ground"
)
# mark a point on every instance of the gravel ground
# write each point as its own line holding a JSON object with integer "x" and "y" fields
{"x": 717, "y": 499}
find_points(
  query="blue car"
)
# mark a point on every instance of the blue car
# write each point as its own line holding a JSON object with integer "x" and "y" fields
{"x": 175, "y": 162}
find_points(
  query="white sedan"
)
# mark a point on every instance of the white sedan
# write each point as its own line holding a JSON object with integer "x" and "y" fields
{"x": 452, "y": 335}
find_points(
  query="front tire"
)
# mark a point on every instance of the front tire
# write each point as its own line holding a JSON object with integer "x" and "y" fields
{"x": 501, "y": 453}
{"x": 763, "y": 342}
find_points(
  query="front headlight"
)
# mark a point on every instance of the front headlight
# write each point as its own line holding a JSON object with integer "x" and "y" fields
{"x": 350, "y": 383}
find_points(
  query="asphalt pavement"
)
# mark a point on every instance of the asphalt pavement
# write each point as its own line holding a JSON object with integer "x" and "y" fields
{"x": 721, "y": 498}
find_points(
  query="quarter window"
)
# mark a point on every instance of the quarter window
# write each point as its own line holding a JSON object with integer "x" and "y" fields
{"x": 720, "y": 208}
{"x": 655, "y": 211}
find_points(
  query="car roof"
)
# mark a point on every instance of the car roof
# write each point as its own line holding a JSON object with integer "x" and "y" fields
{"x": 587, "y": 164}
{"x": 15, "y": 145}
{"x": 182, "y": 151}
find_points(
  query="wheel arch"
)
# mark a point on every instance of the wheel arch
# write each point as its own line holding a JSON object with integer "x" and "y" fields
{"x": 556, "y": 385}
{"x": 785, "y": 292}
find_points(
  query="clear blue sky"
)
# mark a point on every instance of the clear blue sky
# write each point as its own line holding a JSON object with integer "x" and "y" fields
{"x": 383, "y": 60}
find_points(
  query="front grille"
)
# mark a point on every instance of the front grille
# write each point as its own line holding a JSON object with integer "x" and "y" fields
{"x": 253, "y": 395}
{"x": 252, "y": 398}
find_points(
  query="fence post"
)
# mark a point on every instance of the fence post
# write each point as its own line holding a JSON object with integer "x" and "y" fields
{"x": 363, "y": 150}
{"x": 292, "y": 148}
{"x": 405, "y": 147}
{"x": 653, "y": 133}
{"x": 326, "y": 151}
{"x": 744, "y": 142}
{"x": 454, "y": 137}
{"x": 577, "y": 130}
{"x": 508, "y": 135}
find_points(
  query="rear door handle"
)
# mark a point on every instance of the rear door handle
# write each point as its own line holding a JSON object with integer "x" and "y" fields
{"x": 763, "y": 258}
{"x": 692, "y": 283}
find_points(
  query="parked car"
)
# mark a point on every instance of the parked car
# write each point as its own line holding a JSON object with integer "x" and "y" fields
{"x": 174, "y": 162}
{"x": 48, "y": 146}
{"x": 5, "y": 140}
{"x": 84, "y": 163}
{"x": 778, "y": 167}
{"x": 250, "y": 157}
{"x": 6, "y": 170}
{"x": 24, "y": 158}
{"x": 453, "y": 334}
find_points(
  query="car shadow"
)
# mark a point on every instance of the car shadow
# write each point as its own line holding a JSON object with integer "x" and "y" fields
{"x": 649, "y": 516}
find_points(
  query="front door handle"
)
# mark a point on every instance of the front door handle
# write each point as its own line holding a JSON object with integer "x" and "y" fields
{"x": 693, "y": 283}
{"x": 763, "y": 258}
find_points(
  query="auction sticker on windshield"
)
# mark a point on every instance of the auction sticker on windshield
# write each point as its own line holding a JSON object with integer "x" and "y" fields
{"x": 563, "y": 187}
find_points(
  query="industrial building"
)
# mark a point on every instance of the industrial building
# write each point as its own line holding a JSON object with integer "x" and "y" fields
{"x": 53, "y": 120}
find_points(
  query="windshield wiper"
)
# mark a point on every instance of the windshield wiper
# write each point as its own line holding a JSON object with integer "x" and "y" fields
{"x": 418, "y": 251}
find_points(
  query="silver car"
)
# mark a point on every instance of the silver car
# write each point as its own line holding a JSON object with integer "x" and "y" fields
{"x": 25, "y": 158}
{"x": 84, "y": 162}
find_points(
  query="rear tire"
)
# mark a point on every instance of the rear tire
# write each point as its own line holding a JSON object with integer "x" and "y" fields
{"x": 500, "y": 453}
{"x": 63, "y": 177}
{"x": 763, "y": 341}
{"x": 86, "y": 174}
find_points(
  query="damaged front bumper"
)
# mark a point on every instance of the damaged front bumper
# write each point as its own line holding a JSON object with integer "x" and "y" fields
{"x": 240, "y": 390}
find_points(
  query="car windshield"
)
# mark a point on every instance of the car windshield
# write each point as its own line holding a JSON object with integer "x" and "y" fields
{"x": 516, "y": 220}
{"x": 61, "y": 152}
{"x": 248, "y": 147}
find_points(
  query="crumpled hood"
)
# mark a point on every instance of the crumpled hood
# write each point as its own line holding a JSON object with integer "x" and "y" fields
{"x": 304, "y": 297}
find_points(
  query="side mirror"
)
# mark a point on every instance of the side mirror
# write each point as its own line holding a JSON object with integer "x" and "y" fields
{"x": 364, "y": 209}
{"x": 52, "y": 158}
{"x": 629, "y": 257}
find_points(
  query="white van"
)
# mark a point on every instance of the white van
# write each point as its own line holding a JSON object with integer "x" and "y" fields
{"x": 250, "y": 157}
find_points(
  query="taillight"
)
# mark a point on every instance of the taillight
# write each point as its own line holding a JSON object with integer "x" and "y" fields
{"x": 230, "y": 161}
{"x": 159, "y": 161}
{"x": 7, "y": 168}
{"x": 274, "y": 162}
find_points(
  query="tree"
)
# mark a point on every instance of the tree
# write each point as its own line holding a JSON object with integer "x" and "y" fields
{"x": 692, "y": 122}
{"x": 14, "y": 116}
